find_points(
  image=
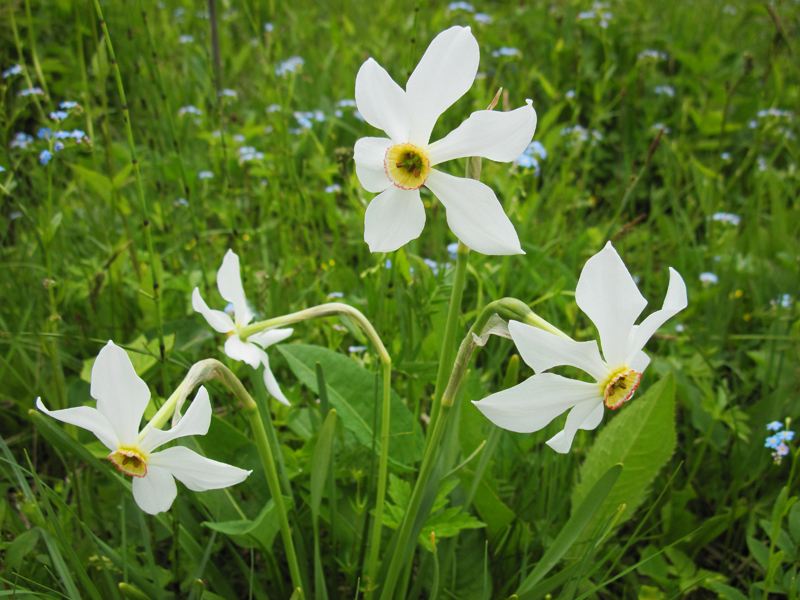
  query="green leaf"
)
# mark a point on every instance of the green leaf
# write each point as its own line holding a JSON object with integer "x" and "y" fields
{"x": 261, "y": 530}
{"x": 97, "y": 181}
{"x": 572, "y": 530}
{"x": 19, "y": 548}
{"x": 643, "y": 439}
{"x": 321, "y": 461}
{"x": 351, "y": 391}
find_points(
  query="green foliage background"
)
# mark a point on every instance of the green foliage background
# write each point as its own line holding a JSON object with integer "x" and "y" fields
{"x": 711, "y": 521}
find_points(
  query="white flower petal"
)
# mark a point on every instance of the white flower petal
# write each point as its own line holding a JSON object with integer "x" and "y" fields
{"x": 196, "y": 421}
{"x": 542, "y": 350}
{"x": 196, "y": 472}
{"x": 393, "y": 218}
{"x": 474, "y": 214}
{"x": 218, "y": 320}
{"x": 85, "y": 418}
{"x": 272, "y": 384}
{"x": 562, "y": 441}
{"x": 265, "y": 339}
{"x": 240, "y": 350}
{"x": 121, "y": 394}
{"x": 594, "y": 418}
{"x": 674, "y": 302}
{"x": 444, "y": 74}
{"x": 639, "y": 362}
{"x": 369, "y": 155}
{"x": 607, "y": 293}
{"x": 381, "y": 101}
{"x": 155, "y": 492}
{"x": 500, "y": 136}
{"x": 531, "y": 405}
{"x": 229, "y": 282}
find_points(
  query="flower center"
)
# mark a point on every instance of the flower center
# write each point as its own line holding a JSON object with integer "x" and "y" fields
{"x": 620, "y": 387}
{"x": 407, "y": 165}
{"x": 130, "y": 461}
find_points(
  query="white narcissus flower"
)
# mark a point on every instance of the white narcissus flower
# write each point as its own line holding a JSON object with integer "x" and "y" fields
{"x": 229, "y": 282}
{"x": 607, "y": 293}
{"x": 122, "y": 398}
{"x": 397, "y": 166}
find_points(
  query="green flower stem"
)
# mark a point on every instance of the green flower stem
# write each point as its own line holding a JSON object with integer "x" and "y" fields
{"x": 507, "y": 309}
{"x": 34, "y": 54}
{"x": 140, "y": 190}
{"x": 448, "y": 349}
{"x": 377, "y": 525}
{"x": 209, "y": 369}
{"x": 337, "y": 308}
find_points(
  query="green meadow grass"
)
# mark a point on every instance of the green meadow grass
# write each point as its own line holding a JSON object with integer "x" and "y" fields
{"x": 708, "y": 514}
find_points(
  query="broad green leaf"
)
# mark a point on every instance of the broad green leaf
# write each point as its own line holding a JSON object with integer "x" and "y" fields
{"x": 97, "y": 181}
{"x": 351, "y": 391}
{"x": 19, "y": 548}
{"x": 572, "y": 530}
{"x": 262, "y": 529}
{"x": 726, "y": 592}
{"x": 643, "y": 439}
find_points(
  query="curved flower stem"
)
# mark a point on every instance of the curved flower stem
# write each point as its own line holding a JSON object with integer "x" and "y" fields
{"x": 140, "y": 190}
{"x": 21, "y": 58}
{"x": 209, "y": 369}
{"x": 338, "y": 308}
{"x": 506, "y": 309}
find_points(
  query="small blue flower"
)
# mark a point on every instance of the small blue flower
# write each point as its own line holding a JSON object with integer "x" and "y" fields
{"x": 358, "y": 116}
{"x": 228, "y": 93}
{"x": 34, "y": 91}
{"x": 205, "y": 175}
{"x": 483, "y": 18}
{"x": 181, "y": 202}
{"x": 664, "y": 90}
{"x": 461, "y": 5}
{"x": 186, "y": 39}
{"x": 58, "y": 115}
{"x": 356, "y": 349}
{"x": 189, "y": 109}
{"x": 334, "y": 188}
{"x": 44, "y": 133}
{"x": 21, "y": 140}
{"x": 58, "y": 146}
{"x": 273, "y": 108}
{"x": 506, "y": 52}
{"x": 68, "y": 105}
{"x": 290, "y": 65}
{"x": 346, "y": 103}
{"x": 570, "y": 94}
{"x": 452, "y": 250}
{"x": 725, "y": 156}
{"x": 2, "y": 169}
{"x": 388, "y": 263}
{"x": 15, "y": 70}
{"x": 709, "y": 278}
{"x": 239, "y": 138}
{"x": 229, "y": 310}
{"x": 333, "y": 295}
{"x": 45, "y": 156}
{"x": 774, "y": 426}
{"x": 723, "y": 217}
{"x": 268, "y": 27}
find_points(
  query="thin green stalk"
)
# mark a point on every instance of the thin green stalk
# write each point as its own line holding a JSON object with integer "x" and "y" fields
{"x": 21, "y": 58}
{"x": 34, "y": 54}
{"x": 448, "y": 349}
{"x": 140, "y": 190}
{"x": 337, "y": 308}
{"x": 506, "y": 309}
{"x": 268, "y": 462}
{"x": 207, "y": 370}
{"x": 377, "y": 525}
{"x": 196, "y": 217}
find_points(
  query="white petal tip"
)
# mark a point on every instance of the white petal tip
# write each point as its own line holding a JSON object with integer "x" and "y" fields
{"x": 529, "y": 102}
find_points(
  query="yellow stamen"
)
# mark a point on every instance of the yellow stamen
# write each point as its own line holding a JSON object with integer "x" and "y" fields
{"x": 620, "y": 386}
{"x": 130, "y": 461}
{"x": 407, "y": 165}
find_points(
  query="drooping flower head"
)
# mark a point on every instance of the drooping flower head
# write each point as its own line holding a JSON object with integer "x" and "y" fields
{"x": 607, "y": 293}
{"x": 229, "y": 283}
{"x": 396, "y": 167}
{"x": 122, "y": 398}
